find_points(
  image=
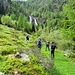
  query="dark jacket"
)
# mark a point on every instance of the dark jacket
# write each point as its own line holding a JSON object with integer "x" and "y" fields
{"x": 53, "y": 46}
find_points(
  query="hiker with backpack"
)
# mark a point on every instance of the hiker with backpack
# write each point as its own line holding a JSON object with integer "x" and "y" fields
{"x": 47, "y": 45}
{"x": 39, "y": 43}
{"x": 27, "y": 37}
{"x": 53, "y": 46}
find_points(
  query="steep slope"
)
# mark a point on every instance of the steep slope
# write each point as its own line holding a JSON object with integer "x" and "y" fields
{"x": 13, "y": 41}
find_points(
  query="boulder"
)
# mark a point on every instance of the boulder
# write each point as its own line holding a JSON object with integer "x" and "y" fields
{"x": 1, "y": 73}
{"x": 18, "y": 55}
{"x": 22, "y": 56}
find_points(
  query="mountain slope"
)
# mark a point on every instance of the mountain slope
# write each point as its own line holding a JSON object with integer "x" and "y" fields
{"x": 13, "y": 41}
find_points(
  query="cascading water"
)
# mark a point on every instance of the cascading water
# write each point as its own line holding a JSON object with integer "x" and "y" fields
{"x": 30, "y": 19}
{"x": 35, "y": 22}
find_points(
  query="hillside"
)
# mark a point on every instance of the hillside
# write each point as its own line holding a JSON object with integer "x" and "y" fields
{"x": 13, "y": 41}
{"x": 52, "y": 21}
{"x": 55, "y": 17}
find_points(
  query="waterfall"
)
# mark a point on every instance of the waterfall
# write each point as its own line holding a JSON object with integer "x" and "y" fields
{"x": 35, "y": 22}
{"x": 30, "y": 19}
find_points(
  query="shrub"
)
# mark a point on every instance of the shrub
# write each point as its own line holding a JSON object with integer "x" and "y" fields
{"x": 24, "y": 67}
{"x": 6, "y": 20}
{"x": 8, "y": 50}
{"x": 72, "y": 55}
{"x": 33, "y": 59}
{"x": 0, "y": 57}
{"x": 27, "y": 27}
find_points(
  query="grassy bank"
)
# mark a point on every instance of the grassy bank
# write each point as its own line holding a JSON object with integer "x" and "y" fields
{"x": 62, "y": 64}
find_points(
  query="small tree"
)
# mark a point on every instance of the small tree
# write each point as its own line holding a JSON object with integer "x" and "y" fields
{"x": 26, "y": 25}
{"x": 6, "y": 20}
{"x": 13, "y": 16}
{"x": 49, "y": 24}
{"x": 20, "y": 21}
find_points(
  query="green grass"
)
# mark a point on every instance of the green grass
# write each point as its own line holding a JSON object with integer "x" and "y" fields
{"x": 62, "y": 65}
{"x": 13, "y": 40}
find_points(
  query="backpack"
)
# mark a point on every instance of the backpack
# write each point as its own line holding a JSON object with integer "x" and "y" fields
{"x": 39, "y": 43}
{"x": 27, "y": 37}
{"x": 47, "y": 43}
{"x": 53, "y": 46}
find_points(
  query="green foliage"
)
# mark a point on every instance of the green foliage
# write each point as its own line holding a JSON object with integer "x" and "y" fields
{"x": 6, "y": 20}
{"x": 33, "y": 59}
{"x": 71, "y": 55}
{"x": 13, "y": 16}
{"x": 69, "y": 14}
{"x": 49, "y": 24}
{"x": 60, "y": 23}
{"x": 0, "y": 57}
{"x": 9, "y": 1}
{"x": 7, "y": 50}
{"x": 63, "y": 64}
{"x": 23, "y": 24}
{"x": 14, "y": 24}
{"x": 13, "y": 64}
{"x": 26, "y": 25}
{"x": 20, "y": 21}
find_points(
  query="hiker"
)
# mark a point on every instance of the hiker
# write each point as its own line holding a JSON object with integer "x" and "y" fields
{"x": 53, "y": 46}
{"x": 47, "y": 45}
{"x": 39, "y": 43}
{"x": 27, "y": 38}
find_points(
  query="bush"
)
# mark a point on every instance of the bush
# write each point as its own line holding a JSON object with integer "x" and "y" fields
{"x": 0, "y": 57}
{"x": 33, "y": 59}
{"x": 14, "y": 23}
{"x": 24, "y": 67}
{"x": 8, "y": 50}
{"x": 72, "y": 55}
{"x": 27, "y": 27}
{"x": 6, "y": 20}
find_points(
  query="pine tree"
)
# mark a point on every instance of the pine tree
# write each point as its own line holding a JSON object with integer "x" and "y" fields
{"x": 20, "y": 21}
